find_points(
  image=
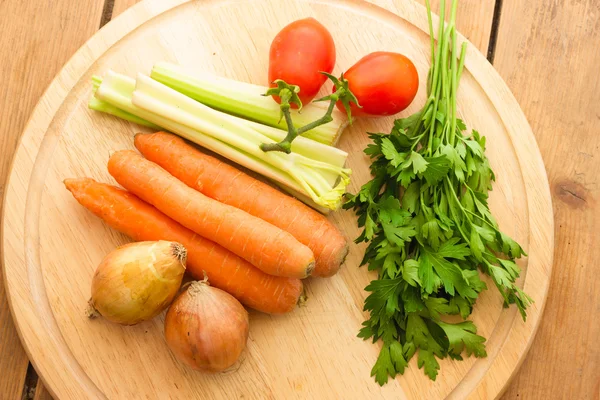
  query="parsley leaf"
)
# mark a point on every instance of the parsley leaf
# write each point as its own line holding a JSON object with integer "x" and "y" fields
{"x": 410, "y": 272}
{"x": 464, "y": 336}
{"x": 417, "y": 161}
{"x": 410, "y": 199}
{"x": 437, "y": 169}
{"x": 428, "y": 362}
{"x": 389, "y": 151}
{"x": 452, "y": 248}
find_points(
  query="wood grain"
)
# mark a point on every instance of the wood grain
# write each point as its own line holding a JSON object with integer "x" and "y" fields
{"x": 548, "y": 54}
{"x": 41, "y": 393}
{"x": 37, "y": 39}
{"x": 57, "y": 144}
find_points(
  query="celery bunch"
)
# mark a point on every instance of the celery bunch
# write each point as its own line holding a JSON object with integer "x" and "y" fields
{"x": 313, "y": 171}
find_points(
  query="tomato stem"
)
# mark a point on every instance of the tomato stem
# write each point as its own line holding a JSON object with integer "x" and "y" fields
{"x": 286, "y": 144}
{"x": 288, "y": 94}
{"x": 324, "y": 119}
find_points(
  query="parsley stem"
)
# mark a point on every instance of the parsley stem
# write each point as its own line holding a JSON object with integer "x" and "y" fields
{"x": 421, "y": 201}
{"x": 453, "y": 72}
{"x": 473, "y": 194}
{"x": 482, "y": 219}
{"x": 422, "y": 116}
{"x": 416, "y": 142}
{"x": 458, "y": 226}
{"x": 430, "y": 22}
{"x": 461, "y": 63}
{"x": 451, "y": 189}
{"x": 435, "y": 88}
{"x": 436, "y": 61}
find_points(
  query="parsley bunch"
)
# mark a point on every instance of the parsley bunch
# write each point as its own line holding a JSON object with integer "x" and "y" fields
{"x": 430, "y": 231}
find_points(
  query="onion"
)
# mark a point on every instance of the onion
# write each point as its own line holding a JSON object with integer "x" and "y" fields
{"x": 135, "y": 282}
{"x": 206, "y": 328}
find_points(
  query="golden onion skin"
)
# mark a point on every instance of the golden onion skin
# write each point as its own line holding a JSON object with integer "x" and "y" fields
{"x": 137, "y": 281}
{"x": 206, "y": 328}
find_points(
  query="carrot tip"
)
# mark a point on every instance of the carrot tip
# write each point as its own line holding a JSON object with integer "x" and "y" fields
{"x": 344, "y": 254}
{"x": 310, "y": 268}
{"x": 69, "y": 183}
{"x": 303, "y": 298}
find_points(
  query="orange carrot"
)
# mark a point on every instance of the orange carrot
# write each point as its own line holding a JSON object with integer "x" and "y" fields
{"x": 229, "y": 185}
{"x": 265, "y": 246}
{"x": 128, "y": 214}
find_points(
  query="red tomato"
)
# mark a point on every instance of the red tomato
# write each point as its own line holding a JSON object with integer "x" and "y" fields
{"x": 298, "y": 53}
{"x": 384, "y": 83}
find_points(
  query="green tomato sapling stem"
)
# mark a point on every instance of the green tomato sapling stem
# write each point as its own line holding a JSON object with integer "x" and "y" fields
{"x": 288, "y": 95}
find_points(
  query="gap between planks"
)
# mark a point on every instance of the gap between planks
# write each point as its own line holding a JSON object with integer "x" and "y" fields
{"x": 494, "y": 31}
{"x": 107, "y": 12}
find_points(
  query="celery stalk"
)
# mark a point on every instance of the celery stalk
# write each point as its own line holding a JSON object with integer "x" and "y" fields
{"x": 300, "y": 172}
{"x": 306, "y": 147}
{"x": 247, "y": 101}
{"x": 98, "y": 105}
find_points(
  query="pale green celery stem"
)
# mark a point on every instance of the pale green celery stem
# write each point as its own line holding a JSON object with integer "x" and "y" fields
{"x": 164, "y": 101}
{"x": 98, "y": 105}
{"x": 117, "y": 91}
{"x": 247, "y": 101}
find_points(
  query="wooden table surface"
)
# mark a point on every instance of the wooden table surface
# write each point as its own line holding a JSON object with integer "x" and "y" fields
{"x": 547, "y": 52}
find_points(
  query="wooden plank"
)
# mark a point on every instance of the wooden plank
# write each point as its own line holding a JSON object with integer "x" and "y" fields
{"x": 37, "y": 38}
{"x": 41, "y": 393}
{"x": 13, "y": 362}
{"x": 548, "y": 54}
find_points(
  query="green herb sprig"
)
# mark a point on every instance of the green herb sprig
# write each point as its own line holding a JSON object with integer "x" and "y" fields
{"x": 429, "y": 227}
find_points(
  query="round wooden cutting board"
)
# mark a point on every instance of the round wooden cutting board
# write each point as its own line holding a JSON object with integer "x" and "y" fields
{"x": 51, "y": 245}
